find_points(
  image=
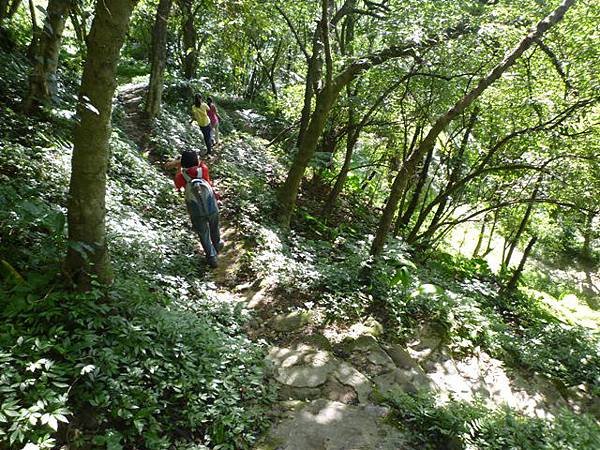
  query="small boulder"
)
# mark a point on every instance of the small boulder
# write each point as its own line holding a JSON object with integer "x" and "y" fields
{"x": 401, "y": 357}
{"x": 291, "y": 321}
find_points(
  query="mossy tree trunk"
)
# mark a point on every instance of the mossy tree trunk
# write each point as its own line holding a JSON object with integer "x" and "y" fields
{"x": 87, "y": 256}
{"x": 158, "y": 58}
{"x": 409, "y": 166}
{"x": 42, "y": 80}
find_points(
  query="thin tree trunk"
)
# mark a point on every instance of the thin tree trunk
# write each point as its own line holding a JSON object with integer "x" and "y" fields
{"x": 347, "y": 49}
{"x": 354, "y": 130}
{"x": 158, "y": 58}
{"x": 453, "y": 180}
{"x": 480, "y": 239}
{"x": 190, "y": 41}
{"x": 515, "y": 240}
{"x": 35, "y": 31}
{"x": 87, "y": 256}
{"x": 414, "y": 201}
{"x": 341, "y": 178}
{"x": 4, "y": 4}
{"x": 273, "y": 68}
{"x": 488, "y": 247}
{"x": 586, "y": 251}
{"x": 43, "y": 86}
{"x": 78, "y": 24}
{"x": 512, "y": 283}
{"x": 440, "y": 124}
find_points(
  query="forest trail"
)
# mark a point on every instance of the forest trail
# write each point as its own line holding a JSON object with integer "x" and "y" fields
{"x": 330, "y": 380}
{"x": 135, "y": 125}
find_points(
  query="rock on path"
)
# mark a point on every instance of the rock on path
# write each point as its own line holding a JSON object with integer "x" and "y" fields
{"x": 329, "y": 425}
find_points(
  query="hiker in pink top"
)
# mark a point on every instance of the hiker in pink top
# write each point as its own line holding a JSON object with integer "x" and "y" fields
{"x": 213, "y": 115}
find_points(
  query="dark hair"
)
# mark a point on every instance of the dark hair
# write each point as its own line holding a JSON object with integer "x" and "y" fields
{"x": 197, "y": 100}
{"x": 209, "y": 100}
{"x": 189, "y": 159}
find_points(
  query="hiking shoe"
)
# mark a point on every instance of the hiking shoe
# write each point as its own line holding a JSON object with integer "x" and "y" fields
{"x": 220, "y": 246}
{"x": 212, "y": 261}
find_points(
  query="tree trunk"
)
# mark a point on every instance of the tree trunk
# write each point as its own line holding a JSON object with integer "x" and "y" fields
{"x": 515, "y": 241}
{"x": 158, "y": 58}
{"x": 479, "y": 240}
{"x": 512, "y": 283}
{"x": 35, "y": 31}
{"x": 414, "y": 201}
{"x": 289, "y": 191}
{"x": 442, "y": 121}
{"x": 312, "y": 76}
{"x": 190, "y": 41}
{"x": 588, "y": 236}
{"x": 453, "y": 180}
{"x": 488, "y": 247}
{"x": 42, "y": 80}
{"x": 341, "y": 178}
{"x": 78, "y": 24}
{"x": 87, "y": 256}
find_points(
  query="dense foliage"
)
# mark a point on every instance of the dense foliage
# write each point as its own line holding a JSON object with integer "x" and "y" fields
{"x": 362, "y": 187}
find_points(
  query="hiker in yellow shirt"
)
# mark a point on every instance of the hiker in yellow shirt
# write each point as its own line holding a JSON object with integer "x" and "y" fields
{"x": 200, "y": 115}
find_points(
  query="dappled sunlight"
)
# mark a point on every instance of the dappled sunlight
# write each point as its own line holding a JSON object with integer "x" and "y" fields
{"x": 569, "y": 308}
{"x": 486, "y": 378}
{"x": 331, "y": 425}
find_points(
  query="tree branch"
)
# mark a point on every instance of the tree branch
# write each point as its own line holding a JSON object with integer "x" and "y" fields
{"x": 290, "y": 25}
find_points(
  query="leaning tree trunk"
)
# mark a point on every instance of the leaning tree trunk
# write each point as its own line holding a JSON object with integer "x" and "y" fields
{"x": 288, "y": 192}
{"x": 158, "y": 58}
{"x": 442, "y": 121}
{"x": 42, "y": 81}
{"x": 404, "y": 219}
{"x": 520, "y": 230}
{"x": 479, "y": 240}
{"x": 341, "y": 178}
{"x": 87, "y": 257}
{"x": 512, "y": 283}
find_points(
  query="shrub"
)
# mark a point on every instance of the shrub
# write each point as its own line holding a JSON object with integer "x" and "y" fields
{"x": 121, "y": 370}
{"x": 463, "y": 425}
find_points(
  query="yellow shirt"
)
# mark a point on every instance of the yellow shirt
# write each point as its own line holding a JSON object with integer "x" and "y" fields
{"x": 200, "y": 114}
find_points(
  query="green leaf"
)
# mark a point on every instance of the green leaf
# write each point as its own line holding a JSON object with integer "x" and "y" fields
{"x": 52, "y": 423}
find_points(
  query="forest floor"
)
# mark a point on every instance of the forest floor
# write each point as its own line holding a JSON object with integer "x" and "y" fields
{"x": 331, "y": 378}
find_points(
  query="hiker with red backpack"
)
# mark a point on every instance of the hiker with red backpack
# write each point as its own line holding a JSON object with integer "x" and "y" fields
{"x": 201, "y": 202}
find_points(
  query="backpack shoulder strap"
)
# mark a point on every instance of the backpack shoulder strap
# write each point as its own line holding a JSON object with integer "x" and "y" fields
{"x": 186, "y": 176}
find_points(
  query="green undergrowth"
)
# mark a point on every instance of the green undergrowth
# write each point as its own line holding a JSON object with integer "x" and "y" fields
{"x": 156, "y": 360}
{"x": 461, "y": 425}
{"x": 321, "y": 266}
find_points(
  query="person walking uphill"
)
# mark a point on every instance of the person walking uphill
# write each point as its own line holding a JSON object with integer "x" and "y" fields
{"x": 201, "y": 203}
{"x": 200, "y": 115}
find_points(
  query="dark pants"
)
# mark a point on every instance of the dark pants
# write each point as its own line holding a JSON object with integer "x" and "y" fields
{"x": 208, "y": 231}
{"x": 206, "y": 132}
